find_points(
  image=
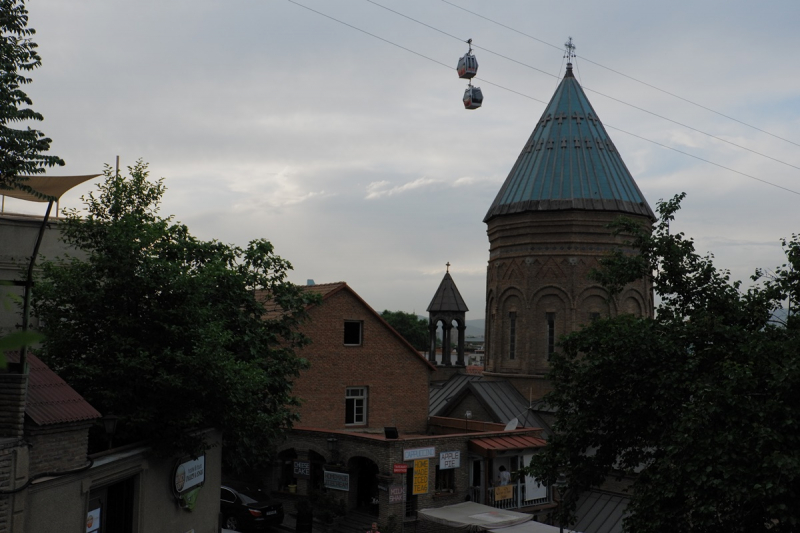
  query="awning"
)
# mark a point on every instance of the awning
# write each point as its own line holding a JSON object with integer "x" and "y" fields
{"x": 54, "y": 186}
{"x": 472, "y": 516}
{"x": 491, "y": 446}
{"x": 531, "y": 527}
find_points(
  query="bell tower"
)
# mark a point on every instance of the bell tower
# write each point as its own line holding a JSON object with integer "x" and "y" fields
{"x": 547, "y": 230}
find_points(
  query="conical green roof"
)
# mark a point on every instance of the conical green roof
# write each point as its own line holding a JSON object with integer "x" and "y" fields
{"x": 569, "y": 162}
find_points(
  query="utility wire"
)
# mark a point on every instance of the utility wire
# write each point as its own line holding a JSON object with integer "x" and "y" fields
{"x": 702, "y": 159}
{"x": 625, "y": 75}
{"x": 536, "y": 99}
{"x": 586, "y": 88}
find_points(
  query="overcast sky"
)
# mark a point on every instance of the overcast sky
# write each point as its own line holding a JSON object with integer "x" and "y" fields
{"x": 357, "y": 159}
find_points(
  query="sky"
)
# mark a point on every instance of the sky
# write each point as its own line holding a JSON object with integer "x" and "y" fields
{"x": 356, "y": 158}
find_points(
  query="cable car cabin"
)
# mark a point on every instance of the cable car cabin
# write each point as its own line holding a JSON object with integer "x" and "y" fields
{"x": 467, "y": 66}
{"x": 473, "y": 97}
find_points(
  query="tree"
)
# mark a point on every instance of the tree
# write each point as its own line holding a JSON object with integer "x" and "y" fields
{"x": 699, "y": 405}
{"x": 169, "y": 332}
{"x": 23, "y": 150}
{"x": 413, "y": 328}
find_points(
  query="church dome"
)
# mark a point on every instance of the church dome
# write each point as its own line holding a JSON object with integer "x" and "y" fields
{"x": 569, "y": 162}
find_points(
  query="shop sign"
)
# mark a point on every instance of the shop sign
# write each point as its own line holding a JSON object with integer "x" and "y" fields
{"x": 302, "y": 469}
{"x": 419, "y": 453}
{"x": 421, "y": 476}
{"x": 449, "y": 460}
{"x": 189, "y": 475}
{"x": 337, "y": 480}
{"x": 400, "y": 468}
{"x": 93, "y": 520}
{"x": 397, "y": 493}
{"x": 503, "y": 492}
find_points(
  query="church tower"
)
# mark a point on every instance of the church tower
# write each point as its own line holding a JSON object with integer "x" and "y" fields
{"x": 547, "y": 230}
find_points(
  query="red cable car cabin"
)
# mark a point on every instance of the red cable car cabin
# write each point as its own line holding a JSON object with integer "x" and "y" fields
{"x": 467, "y": 66}
{"x": 473, "y": 97}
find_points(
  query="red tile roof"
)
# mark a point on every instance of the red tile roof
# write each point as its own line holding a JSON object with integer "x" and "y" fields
{"x": 489, "y": 446}
{"x": 50, "y": 399}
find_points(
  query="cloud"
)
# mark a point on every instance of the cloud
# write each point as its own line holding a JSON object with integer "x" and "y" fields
{"x": 378, "y": 189}
{"x": 272, "y": 189}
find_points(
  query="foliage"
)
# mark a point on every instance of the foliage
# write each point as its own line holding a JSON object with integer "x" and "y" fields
{"x": 699, "y": 405}
{"x": 22, "y": 150}
{"x": 413, "y": 328}
{"x": 327, "y": 506}
{"x": 170, "y": 332}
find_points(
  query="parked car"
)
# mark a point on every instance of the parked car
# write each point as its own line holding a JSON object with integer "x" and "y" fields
{"x": 246, "y": 508}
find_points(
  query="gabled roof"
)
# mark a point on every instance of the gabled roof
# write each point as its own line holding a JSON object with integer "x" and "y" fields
{"x": 50, "y": 399}
{"x": 600, "y": 512}
{"x": 326, "y": 290}
{"x": 569, "y": 162}
{"x": 447, "y": 298}
{"x": 499, "y": 397}
{"x": 441, "y": 394}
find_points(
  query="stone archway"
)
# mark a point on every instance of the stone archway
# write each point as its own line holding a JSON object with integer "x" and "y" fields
{"x": 363, "y": 474}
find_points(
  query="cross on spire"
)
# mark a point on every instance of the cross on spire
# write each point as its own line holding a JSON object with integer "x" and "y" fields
{"x": 569, "y": 53}
{"x": 448, "y": 266}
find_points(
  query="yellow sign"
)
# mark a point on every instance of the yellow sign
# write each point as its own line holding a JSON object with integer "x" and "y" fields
{"x": 420, "y": 476}
{"x": 503, "y": 492}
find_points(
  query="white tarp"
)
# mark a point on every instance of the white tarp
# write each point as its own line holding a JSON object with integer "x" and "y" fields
{"x": 530, "y": 527}
{"x": 473, "y": 516}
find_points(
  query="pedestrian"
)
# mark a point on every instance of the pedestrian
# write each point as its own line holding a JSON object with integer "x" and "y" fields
{"x": 505, "y": 476}
{"x": 374, "y": 528}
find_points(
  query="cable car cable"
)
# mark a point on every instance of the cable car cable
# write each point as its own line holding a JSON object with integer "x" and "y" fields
{"x": 588, "y": 88}
{"x": 542, "y": 101}
{"x": 625, "y": 75}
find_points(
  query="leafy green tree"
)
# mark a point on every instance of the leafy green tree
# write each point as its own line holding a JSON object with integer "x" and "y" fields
{"x": 22, "y": 151}
{"x": 699, "y": 405}
{"x": 413, "y": 328}
{"x": 168, "y": 332}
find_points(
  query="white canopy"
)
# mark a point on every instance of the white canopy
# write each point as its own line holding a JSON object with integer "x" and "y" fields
{"x": 471, "y": 516}
{"x": 530, "y": 527}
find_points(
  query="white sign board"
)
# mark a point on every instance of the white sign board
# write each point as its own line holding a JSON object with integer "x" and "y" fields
{"x": 419, "y": 453}
{"x": 337, "y": 480}
{"x": 190, "y": 474}
{"x": 449, "y": 460}
{"x": 93, "y": 520}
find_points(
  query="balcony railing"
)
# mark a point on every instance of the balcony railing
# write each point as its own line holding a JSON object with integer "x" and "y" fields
{"x": 518, "y": 498}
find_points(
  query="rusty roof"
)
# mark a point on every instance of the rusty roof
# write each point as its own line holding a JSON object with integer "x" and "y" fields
{"x": 490, "y": 446}
{"x": 273, "y": 310}
{"x": 50, "y": 399}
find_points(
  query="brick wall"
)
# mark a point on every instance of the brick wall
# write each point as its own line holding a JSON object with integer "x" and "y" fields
{"x": 538, "y": 264}
{"x": 58, "y": 447}
{"x": 6, "y": 467}
{"x": 13, "y": 389}
{"x": 396, "y": 378}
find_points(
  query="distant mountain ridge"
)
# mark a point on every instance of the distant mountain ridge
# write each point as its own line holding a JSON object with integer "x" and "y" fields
{"x": 474, "y": 332}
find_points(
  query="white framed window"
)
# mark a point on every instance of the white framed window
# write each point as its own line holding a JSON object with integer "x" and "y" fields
{"x": 352, "y": 332}
{"x": 355, "y": 406}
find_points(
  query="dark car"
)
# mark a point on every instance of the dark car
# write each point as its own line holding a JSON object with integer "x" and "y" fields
{"x": 246, "y": 508}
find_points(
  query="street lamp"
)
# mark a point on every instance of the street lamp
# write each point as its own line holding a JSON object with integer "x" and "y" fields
{"x": 110, "y": 425}
{"x": 333, "y": 447}
{"x": 561, "y": 484}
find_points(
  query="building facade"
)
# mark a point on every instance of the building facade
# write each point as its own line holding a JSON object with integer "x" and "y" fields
{"x": 547, "y": 230}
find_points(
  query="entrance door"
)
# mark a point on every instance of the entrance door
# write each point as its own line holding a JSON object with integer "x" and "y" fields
{"x": 111, "y": 508}
{"x": 411, "y": 498}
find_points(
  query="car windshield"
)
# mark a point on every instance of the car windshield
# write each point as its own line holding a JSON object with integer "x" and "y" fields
{"x": 249, "y": 496}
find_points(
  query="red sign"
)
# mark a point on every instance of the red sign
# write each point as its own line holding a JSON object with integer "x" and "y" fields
{"x": 400, "y": 468}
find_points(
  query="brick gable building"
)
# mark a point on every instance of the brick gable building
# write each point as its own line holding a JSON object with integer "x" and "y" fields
{"x": 360, "y": 367}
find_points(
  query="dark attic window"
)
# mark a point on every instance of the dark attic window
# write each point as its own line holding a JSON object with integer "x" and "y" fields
{"x": 352, "y": 332}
